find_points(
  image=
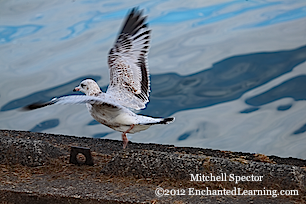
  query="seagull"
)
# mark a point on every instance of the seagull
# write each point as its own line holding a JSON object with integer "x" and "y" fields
{"x": 129, "y": 86}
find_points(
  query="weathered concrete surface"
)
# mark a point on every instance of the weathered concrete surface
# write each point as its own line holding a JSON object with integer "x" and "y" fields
{"x": 152, "y": 164}
{"x": 34, "y": 168}
{"x": 26, "y": 152}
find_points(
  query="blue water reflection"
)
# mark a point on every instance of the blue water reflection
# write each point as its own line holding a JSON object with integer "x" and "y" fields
{"x": 9, "y": 33}
{"x": 227, "y": 80}
{"x": 233, "y": 73}
{"x": 300, "y": 130}
{"x": 45, "y": 125}
{"x": 286, "y": 16}
{"x": 294, "y": 88}
{"x": 249, "y": 7}
{"x": 97, "y": 17}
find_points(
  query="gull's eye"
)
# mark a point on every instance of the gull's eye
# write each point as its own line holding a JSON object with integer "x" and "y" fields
{"x": 83, "y": 85}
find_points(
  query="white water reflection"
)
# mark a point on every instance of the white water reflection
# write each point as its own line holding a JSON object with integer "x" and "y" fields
{"x": 232, "y": 72}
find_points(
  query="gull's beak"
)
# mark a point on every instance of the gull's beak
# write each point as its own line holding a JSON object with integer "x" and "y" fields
{"x": 76, "y": 89}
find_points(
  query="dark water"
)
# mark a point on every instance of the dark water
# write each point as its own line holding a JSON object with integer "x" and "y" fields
{"x": 233, "y": 73}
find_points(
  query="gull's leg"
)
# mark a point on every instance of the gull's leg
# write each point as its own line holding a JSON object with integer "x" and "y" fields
{"x": 124, "y": 138}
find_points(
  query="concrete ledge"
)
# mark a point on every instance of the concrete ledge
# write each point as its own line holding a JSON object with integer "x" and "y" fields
{"x": 38, "y": 171}
{"x": 152, "y": 164}
{"x": 26, "y": 152}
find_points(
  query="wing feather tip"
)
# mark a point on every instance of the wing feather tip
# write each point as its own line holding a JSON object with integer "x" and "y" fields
{"x": 34, "y": 106}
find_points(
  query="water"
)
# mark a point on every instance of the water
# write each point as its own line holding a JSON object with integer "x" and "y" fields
{"x": 233, "y": 73}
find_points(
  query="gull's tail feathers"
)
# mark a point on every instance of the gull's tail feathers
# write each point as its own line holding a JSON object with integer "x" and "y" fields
{"x": 167, "y": 120}
{"x": 164, "y": 121}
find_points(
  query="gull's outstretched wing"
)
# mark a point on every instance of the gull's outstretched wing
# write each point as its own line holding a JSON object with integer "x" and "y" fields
{"x": 129, "y": 74}
{"x": 76, "y": 99}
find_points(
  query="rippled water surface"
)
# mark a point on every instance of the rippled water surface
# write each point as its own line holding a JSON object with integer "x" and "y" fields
{"x": 233, "y": 73}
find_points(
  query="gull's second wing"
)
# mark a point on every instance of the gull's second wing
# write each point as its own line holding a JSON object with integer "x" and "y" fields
{"x": 129, "y": 74}
{"x": 76, "y": 99}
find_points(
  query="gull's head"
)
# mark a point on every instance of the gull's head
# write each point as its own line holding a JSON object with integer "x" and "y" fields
{"x": 88, "y": 87}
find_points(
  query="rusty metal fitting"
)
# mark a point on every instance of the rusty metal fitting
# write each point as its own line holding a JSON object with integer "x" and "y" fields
{"x": 80, "y": 150}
